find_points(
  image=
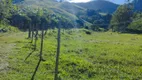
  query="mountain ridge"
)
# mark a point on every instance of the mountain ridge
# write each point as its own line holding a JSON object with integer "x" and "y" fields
{"x": 102, "y": 5}
{"x": 70, "y": 7}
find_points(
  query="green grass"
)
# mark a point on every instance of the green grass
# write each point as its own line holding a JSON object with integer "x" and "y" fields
{"x": 98, "y": 56}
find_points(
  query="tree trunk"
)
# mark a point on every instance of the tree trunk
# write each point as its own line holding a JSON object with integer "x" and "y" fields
{"x": 32, "y": 33}
{"x": 29, "y": 35}
{"x": 36, "y": 37}
{"x": 42, "y": 35}
{"x": 46, "y": 30}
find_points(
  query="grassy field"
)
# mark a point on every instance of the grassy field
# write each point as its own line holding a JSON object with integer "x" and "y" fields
{"x": 95, "y": 56}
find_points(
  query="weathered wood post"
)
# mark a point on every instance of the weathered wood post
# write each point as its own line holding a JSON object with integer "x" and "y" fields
{"x": 40, "y": 55}
{"x": 58, "y": 53}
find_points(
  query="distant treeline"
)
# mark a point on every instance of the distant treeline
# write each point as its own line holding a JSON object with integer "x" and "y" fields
{"x": 39, "y": 18}
{"x": 124, "y": 19}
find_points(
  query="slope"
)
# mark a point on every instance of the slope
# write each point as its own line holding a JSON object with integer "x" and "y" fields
{"x": 53, "y": 6}
{"x": 101, "y": 5}
{"x": 137, "y": 5}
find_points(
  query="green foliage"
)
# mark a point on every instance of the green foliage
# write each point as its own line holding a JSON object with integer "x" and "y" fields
{"x": 136, "y": 25}
{"x": 8, "y": 28}
{"x": 121, "y": 18}
{"x": 5, "y": 10}
{"x": 95, "y": 18}
{"x": 95, "y": 28}
{"x": 37, "y": 18}
{"x": 74, "y": 15}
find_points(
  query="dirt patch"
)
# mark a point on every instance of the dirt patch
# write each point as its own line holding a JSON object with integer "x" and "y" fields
{"x": 7, "y": 44}
{"x": 5, "y": 50}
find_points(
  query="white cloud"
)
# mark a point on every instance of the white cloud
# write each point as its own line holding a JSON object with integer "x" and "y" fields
{"x": 78, "y": 1}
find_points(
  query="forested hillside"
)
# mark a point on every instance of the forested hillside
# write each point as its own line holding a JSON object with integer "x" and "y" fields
{"x": 25, "y": 13}
{"x": 72, "y": 12}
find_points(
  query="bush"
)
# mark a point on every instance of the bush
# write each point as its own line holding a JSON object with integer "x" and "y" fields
{"x": 8, "y": 28}
{"x": 87, "y": 31}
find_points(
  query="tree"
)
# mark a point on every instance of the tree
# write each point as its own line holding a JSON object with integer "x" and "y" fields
{"x": 29, "y": 24}
{"x": 121, "y": 18}
{"x": 5, "y": 10}
{"x": 95, "y": 18}
{"x": 136, "y": 24}
{"x": 40, "y": 55}
{"x": 37, "y": 22}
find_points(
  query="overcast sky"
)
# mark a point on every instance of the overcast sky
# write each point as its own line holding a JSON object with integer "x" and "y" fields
{"x": 114, "y": 1}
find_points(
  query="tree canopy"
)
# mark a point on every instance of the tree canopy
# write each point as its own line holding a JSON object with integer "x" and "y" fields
{"x": 5, "y": 10}
{"x": 121, "y": 18}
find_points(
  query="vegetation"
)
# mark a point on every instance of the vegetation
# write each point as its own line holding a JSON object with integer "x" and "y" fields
{"x": 94, "y": 17}
{"x": 121, "y": 18}
{"x": 23, "y": 17}
{"x": 100, "y": 5}
{"x": 5, "y": 10}
{"x": 70, "y": 41}
{"x": 73, "y": 13}
{"x": 103, "y": 55}
{"x": 136, "y": 25}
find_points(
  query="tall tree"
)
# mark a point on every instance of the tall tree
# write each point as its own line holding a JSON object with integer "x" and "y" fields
{"x": 121, "y": 18}
{"x": 5, "y": 10}
{"x": 37, "y": 24}
{"x": 29, "y": 24}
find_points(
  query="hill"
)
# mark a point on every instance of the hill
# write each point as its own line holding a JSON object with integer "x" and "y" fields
{"x": 71, "y": 11}
{"x": 137, "y": 5}
{"x": 64, "y": 8}
{"x": 101, "y": 5}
